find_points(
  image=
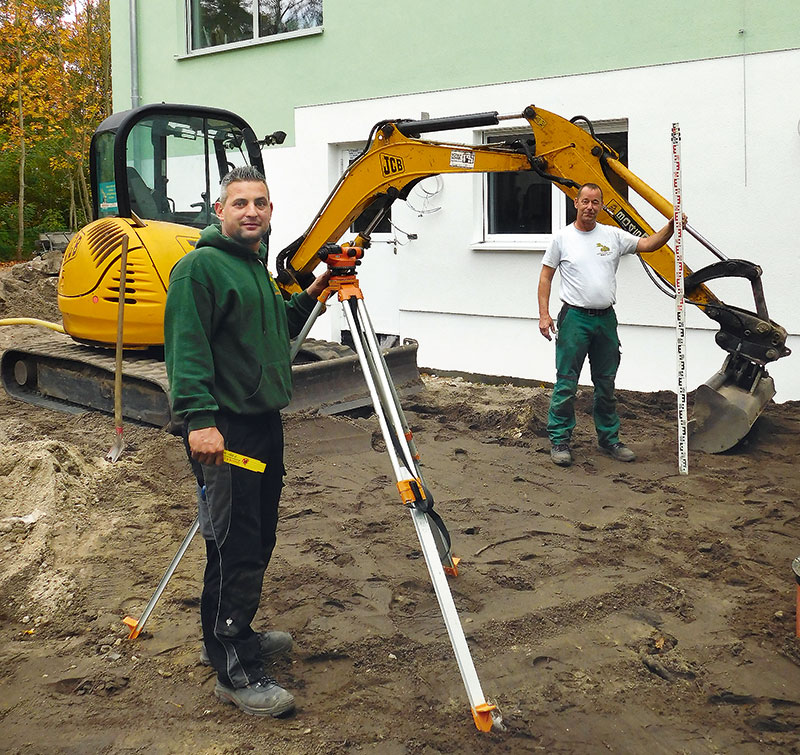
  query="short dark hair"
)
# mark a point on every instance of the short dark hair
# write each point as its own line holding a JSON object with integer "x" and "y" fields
{"x": 595, "y": 187}
{"x": 242, "y": 173}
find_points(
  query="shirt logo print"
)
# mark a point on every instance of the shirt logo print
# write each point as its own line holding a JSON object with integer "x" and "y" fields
{"x": 603, "y": 249}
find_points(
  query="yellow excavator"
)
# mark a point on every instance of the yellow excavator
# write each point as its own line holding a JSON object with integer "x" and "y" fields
{"x": 155, "y": 171}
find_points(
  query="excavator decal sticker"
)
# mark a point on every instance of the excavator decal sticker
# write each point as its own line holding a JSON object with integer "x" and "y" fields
{"x": 461, "y": 159}
{"x": 626, "y": 222}
{"x": 392, "y": 165}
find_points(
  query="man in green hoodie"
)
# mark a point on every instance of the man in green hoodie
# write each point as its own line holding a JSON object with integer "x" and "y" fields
{"x": 226, "y": 336}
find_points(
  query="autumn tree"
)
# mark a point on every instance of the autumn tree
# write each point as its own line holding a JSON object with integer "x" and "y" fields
{"x": 54, "y": 90}
{"x": 85, "y": 64}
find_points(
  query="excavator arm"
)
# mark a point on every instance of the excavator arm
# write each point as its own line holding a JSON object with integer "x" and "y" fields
{"x": 395, "y": 159}
{"x": 169, "y": 140}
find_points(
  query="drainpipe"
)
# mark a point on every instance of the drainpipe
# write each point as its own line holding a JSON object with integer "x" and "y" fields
{"x": 136, "y": 100}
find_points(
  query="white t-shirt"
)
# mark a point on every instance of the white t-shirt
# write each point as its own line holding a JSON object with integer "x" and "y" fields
{"x": 588, "y": 261}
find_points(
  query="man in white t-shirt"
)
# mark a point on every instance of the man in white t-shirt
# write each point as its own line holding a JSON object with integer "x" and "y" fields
{"x": 587, "y": 255}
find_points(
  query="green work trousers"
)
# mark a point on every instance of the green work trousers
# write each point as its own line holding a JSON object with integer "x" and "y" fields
{"x": 580, "y": 335}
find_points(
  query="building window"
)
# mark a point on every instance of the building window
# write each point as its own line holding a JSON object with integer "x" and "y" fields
{"x": 225, "y": 22}
{"x": 526, "y": 208}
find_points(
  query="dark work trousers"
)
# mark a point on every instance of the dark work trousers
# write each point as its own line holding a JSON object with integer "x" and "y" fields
{"x": 238, "y": 520}
{"x": 581, "y": 334}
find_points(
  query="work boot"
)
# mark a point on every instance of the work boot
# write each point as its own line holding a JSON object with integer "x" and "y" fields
{"x": 619, "y": 451}
{"x": 560, "y": 454}
{"x": 262, "y": 698}
{"x": 272, "y": 643}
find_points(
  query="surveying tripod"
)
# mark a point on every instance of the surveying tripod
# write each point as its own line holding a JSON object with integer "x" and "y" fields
{"x": 431, "y": 531}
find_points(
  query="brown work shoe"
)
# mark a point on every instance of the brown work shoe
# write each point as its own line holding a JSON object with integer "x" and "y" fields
{"x": 561, "y": 455}
{"x": 262, "y": 698}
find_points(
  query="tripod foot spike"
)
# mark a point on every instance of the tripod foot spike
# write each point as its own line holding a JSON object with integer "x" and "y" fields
{"x": 129, "y": 621}
{"x": 483, "y": 716}
{"x": 452, "y": 570}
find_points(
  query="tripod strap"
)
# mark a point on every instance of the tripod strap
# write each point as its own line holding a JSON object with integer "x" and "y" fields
{"x": 440, "y": 535}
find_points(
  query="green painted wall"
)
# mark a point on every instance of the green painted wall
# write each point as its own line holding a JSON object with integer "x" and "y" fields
{"x": 374, "y": 49}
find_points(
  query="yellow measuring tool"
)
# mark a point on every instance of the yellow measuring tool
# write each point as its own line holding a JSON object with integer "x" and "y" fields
{"x": 245, "y": 462}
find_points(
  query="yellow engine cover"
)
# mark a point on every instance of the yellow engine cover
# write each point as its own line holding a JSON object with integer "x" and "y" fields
{"x": 88, "y": 283}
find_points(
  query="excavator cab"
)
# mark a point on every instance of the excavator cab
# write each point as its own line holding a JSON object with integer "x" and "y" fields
{"x": 155, "y": 172}
{"x": 164, "y": 162}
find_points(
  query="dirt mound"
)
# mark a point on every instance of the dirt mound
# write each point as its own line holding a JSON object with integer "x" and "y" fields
{"x": 29, "y": 289}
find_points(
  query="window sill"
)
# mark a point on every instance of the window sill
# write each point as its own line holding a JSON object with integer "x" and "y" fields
{"x": 497, "y": 245}
{"x": 250, "y": 43}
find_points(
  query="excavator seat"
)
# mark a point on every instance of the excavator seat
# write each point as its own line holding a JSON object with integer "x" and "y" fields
{"x": 142, "y": 200}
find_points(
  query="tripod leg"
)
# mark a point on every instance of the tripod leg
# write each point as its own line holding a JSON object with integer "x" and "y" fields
{"x": 406, "y": 447}
{"x": 384, "y": 399}
{"x": 370, "y": 333}
{"x": 367, "y": 368}
{"x": 136, "y": 626}
{"x": 312, "y": 318}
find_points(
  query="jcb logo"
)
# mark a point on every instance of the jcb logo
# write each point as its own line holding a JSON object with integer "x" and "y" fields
{"x": 392, "y": 165}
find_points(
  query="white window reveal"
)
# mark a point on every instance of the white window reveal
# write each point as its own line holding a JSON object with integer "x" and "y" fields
{"x": 220, "y": 23}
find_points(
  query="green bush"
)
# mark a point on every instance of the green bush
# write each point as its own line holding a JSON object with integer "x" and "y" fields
{"x": 46, "y": 198}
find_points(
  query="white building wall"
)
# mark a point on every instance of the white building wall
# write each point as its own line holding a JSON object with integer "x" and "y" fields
{"x": 473, "y": 306}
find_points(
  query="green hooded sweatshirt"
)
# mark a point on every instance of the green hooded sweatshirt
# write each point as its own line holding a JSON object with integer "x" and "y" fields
{"x": 226, "y": 332}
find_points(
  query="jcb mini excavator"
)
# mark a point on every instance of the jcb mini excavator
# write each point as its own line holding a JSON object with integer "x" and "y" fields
{"x": 155, "y": 171}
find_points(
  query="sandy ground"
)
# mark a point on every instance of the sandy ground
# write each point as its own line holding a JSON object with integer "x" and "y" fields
{"x": 608, "y": 607}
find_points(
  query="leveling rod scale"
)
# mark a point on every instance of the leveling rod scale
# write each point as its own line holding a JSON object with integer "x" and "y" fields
{"x": 680, "y": 303}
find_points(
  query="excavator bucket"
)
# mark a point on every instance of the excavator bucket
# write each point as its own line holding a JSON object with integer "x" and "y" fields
{"x": 724, "y": 411}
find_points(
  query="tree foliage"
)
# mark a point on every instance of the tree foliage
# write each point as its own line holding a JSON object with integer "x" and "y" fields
{"x": 55, "y": 87}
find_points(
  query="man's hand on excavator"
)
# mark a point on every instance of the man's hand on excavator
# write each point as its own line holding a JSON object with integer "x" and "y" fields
{"x": 207, "y": 445}
{"x": 546, "y": 326}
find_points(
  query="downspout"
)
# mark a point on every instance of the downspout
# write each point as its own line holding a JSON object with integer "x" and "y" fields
{"x": 136, "y": 100}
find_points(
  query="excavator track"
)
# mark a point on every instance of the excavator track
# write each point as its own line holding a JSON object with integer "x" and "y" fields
{"x": 54, "y": 371}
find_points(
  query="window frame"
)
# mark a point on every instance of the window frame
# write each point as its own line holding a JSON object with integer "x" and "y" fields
{"x": 191, "y": 52}
{"x": 516, "y": 240}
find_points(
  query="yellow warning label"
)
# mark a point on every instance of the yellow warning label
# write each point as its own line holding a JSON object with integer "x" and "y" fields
{"x": 245, "y": 462}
